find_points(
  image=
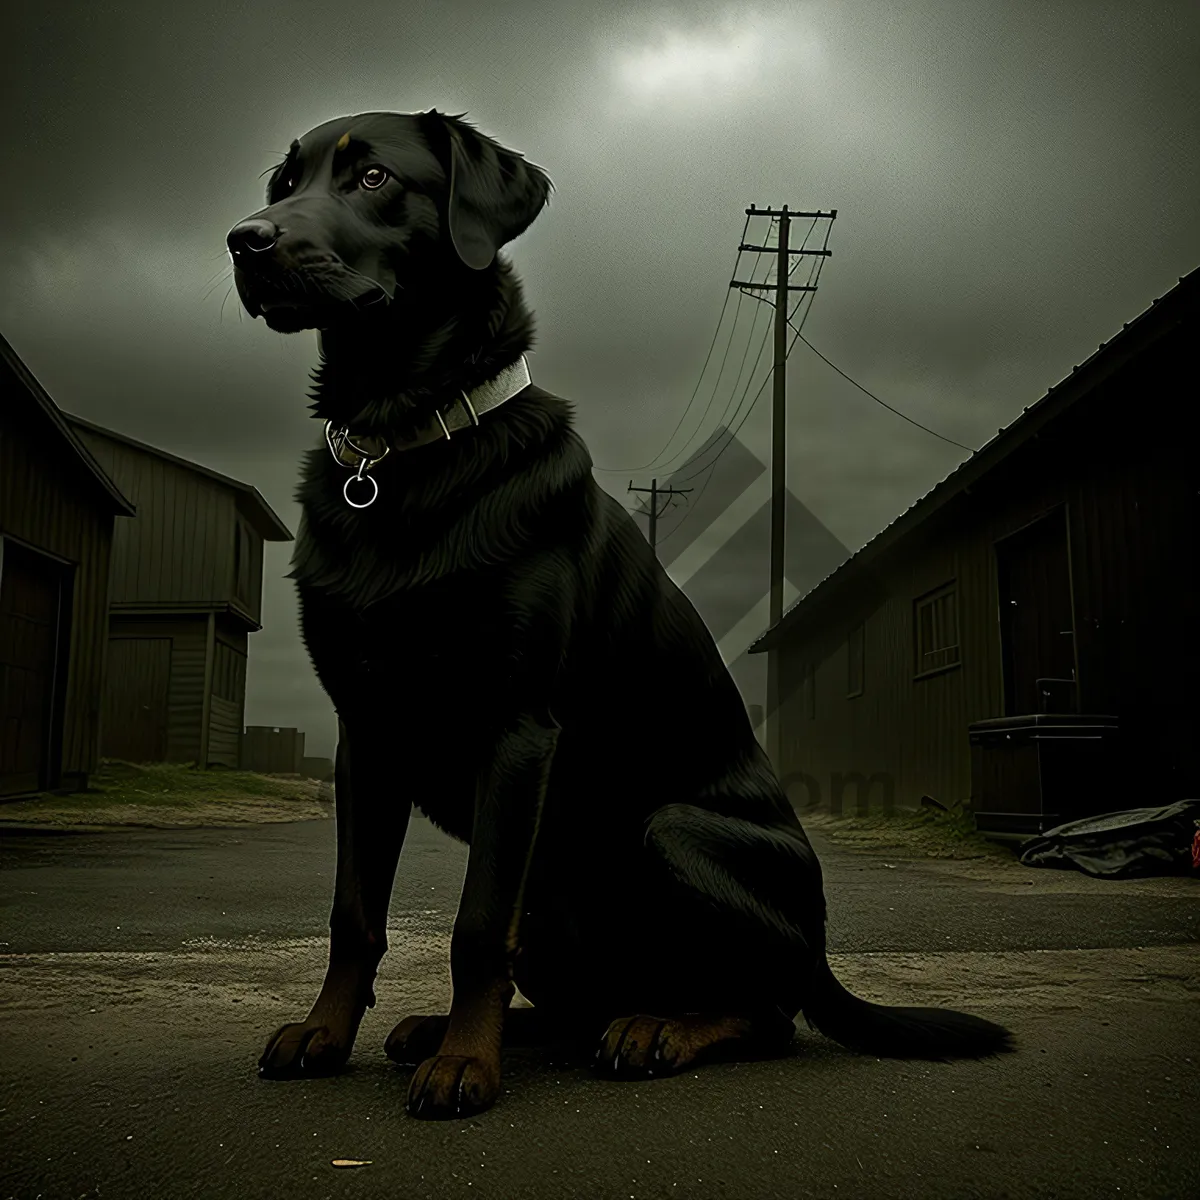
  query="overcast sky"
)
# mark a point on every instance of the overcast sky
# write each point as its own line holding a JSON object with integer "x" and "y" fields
{"x": 1013, "y": 182}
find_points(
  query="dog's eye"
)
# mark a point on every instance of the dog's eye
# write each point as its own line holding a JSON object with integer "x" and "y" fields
{"x": 282, "y": 187}
{"x": 373, "y": 177}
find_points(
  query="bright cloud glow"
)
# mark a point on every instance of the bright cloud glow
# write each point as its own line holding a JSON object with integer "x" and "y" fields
{"x": 724, "y": 58}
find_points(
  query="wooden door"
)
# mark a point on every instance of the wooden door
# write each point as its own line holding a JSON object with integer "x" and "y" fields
{"x": 136, "y": 684}
{"x": 1037, "y": 625}
{"x": 30, "y": 625}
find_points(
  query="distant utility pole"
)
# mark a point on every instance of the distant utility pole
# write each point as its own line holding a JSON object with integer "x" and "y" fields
{"x": 781, "y": 288}
{"x": 655, "y": 491}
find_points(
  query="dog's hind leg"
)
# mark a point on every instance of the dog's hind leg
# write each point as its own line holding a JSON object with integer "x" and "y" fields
{"x": 733, "y": 934}
{"x": 760, "y": 932}
{"x": 642, "y": 1046}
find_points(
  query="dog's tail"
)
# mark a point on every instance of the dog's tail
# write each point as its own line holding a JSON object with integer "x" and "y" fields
{"x": 893, "y": 1031}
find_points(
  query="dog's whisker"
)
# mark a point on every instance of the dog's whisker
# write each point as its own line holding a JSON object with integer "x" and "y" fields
{"x": 221, "y": 310}
{"x": 216, "y": 284}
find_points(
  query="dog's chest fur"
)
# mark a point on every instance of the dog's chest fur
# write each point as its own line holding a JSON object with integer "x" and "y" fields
{"x": 426, "y": 655}
{"x": 414, "y": 605}
{"x": 436, "y": 644}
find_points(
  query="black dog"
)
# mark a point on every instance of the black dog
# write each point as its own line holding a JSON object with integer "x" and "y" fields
{"x": 480, "y": 612}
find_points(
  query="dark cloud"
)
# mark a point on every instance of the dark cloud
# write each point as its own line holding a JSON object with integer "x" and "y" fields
{"x": 1013, "y": 182}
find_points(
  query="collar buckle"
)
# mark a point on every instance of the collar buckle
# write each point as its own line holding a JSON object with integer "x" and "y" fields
{"x": 340, "y": 443}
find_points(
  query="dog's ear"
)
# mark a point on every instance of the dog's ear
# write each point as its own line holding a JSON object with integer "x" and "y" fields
{"x": 493, "y": 195}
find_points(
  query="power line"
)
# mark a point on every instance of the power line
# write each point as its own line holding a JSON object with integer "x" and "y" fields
{"x": 877, "y": 400}
{"x": 700, "y": 379}
{"x": 654, "y": 462}
{"x": 710, "y": 468}
{"x": 720, "y": 446}
{"x": 797, "y": 335}
{"x": 910, "y": 420}
{"x": 762, "y": 345}
{"x": 813, "y": 278}
{"x": 721, "y": 372}
{"x": 737, "y": 379}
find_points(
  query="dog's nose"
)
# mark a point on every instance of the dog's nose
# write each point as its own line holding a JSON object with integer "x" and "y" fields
{"x": 255, "y": 234}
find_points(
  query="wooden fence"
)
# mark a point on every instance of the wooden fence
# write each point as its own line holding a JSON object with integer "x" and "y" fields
{"x": 272, "y": 751}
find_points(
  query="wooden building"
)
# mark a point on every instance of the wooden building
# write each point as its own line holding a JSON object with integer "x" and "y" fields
{"x": 58, "y": 508}
{"x": 186, "y": 591}
{"x": 1046, "y": 589}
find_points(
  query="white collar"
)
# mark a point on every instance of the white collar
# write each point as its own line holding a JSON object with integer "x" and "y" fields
{"x": 362, "y": 453}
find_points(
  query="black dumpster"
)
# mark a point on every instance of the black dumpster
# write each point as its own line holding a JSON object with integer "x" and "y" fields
{"x": 1030, "y": 773}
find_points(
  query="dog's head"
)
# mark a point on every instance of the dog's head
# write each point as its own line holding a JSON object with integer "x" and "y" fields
{"x": 368, "y": 209}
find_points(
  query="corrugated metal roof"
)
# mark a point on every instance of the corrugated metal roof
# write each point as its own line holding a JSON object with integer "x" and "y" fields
{"x": 1161, "y": 311}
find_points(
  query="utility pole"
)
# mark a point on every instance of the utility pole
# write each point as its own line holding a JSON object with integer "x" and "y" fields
{"x": 781, "y": 288}
{"x": 655, "y": 491}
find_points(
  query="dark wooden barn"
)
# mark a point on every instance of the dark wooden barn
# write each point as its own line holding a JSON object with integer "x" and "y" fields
{"x": 58, "y": 508}
{"x": 186, "y": 591}
{"x": 1025, "y": 634}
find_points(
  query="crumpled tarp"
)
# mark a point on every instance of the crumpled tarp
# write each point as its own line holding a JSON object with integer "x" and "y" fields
{"x": 1119, "y": 845}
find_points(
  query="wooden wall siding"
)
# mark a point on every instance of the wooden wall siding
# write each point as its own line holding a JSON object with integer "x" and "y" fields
{"x": 249, "y": 592}
{"x": 1131, "y": 510}
{"x": 224, "y": 735}
{"x": 135, "y": 717}
{"x": 897, "y": 726}
{"x": 180, "y": 547}
{"x": 187, "y": 693}
{"x": 229, "y": 668}
{"x": 33, "y": 601}
{"x": 42, "y": 503}
{"x": 915, "y": 730}
{"x": 1134, "y": 548}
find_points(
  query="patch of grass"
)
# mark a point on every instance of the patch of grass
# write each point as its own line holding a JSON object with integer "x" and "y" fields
{"x": 122, "y": 792}
{"x": 934, "y": 832}
{"x": 152, "y": 783}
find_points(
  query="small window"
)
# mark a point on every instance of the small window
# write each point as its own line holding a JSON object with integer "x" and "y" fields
{"x": 936, "y": 632}
{"x": 855, "y": 645}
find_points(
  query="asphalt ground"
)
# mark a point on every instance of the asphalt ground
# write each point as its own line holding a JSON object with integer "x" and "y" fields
{"x": 142, "y": 971}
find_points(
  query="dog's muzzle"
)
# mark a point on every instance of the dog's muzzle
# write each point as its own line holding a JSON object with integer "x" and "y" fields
{"x": 264, "y": 285}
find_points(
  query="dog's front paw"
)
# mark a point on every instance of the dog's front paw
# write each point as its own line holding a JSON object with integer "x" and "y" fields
{"x": 303, "y": 1049}
{"x": 451, "y": 1085}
